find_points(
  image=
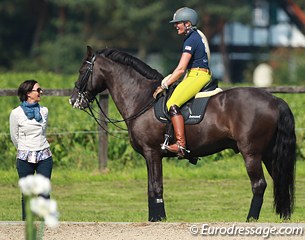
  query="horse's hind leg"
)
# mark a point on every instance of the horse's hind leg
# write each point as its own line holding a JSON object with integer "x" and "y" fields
{"x": 258, "y": 184}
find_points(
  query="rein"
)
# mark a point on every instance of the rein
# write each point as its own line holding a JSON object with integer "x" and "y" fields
{"x": 114, "y": 121}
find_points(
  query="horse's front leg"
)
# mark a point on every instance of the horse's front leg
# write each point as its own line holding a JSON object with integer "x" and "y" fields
{"x": 155, "y": 186}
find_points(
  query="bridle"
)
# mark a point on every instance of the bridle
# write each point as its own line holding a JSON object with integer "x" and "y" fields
{"x": 83, "y": 97}
{"x": 82, "y": 86}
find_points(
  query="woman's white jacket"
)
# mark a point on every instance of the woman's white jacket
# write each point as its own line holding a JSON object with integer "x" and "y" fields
{"x": 28, "y": 134}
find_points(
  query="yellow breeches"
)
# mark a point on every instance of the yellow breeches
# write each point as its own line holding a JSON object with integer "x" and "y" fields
{"x": 193, "y": 82}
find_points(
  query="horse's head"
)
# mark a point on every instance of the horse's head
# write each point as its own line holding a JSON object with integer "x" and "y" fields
{"x": 87, "y": 86}
{"x": 116, "y": 71}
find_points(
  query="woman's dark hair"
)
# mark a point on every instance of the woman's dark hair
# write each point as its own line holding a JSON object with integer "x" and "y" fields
{"x": 24, "y": 88}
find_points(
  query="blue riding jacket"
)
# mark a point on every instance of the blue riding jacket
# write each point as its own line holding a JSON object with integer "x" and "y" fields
{"x": 194, "y": 45}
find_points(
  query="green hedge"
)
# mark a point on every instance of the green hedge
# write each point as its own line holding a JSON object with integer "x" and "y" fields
{"x": 73, "y": 134}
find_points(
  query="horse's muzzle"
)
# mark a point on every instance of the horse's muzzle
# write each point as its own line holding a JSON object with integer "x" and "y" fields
{"x": 80, "y": 102}
{"x": 72, "y": 102}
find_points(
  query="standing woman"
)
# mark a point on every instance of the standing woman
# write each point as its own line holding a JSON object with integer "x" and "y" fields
{"x": 28, "y": 123}
{"x": 194, "y": 63}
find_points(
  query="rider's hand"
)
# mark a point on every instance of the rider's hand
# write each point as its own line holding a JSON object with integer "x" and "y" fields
{"x": 158, "y": 91}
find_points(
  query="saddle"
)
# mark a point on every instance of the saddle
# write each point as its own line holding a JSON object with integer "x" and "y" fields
{"x": 192, "y": 111}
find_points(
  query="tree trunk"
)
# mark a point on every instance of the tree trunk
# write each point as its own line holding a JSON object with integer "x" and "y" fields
{"x": 62, "y": 20}
{"x": 39, "y": 27}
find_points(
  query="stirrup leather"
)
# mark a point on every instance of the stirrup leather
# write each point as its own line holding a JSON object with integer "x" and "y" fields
{"x": 166, "y": 141}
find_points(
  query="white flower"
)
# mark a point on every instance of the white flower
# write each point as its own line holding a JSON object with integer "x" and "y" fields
{"x": 43, "y": 207}
{"x": 35, "y": 184}
{"x": 51, "y": 221}
{"x": 41, "y": 185}
{"x": 25, "y": 184}
{"x": 47, "y": 209}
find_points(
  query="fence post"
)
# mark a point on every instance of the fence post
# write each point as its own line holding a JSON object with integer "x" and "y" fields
{"x": 102, "y": 135}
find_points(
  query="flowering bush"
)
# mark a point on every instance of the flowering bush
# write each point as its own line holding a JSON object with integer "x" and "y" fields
{"x": 32, "y": 187}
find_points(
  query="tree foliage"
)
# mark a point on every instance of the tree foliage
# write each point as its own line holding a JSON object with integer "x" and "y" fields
{"x": 51, "y": 35}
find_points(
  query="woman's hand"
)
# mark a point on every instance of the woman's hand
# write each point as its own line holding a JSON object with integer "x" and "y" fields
{"x": 158, "y": 91}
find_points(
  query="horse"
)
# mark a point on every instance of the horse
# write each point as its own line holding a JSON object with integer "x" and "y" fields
{"x": 249, "y": 120}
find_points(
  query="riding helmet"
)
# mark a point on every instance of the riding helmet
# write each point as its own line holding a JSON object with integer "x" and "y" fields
{"x": 185, "y": 14}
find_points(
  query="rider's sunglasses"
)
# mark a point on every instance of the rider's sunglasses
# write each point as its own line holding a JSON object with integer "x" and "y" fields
{"x": 39, "y": 90}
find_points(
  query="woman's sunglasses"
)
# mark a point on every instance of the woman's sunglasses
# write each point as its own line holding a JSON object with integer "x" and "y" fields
{"x": 39, "y": 90}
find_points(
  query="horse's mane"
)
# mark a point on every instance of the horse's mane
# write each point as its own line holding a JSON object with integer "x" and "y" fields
{"x": 137, "y": 64}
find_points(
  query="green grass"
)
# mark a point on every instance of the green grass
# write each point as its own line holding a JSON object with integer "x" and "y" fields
{"x": 212, "y": 192}
{"x": 215, "y": 190}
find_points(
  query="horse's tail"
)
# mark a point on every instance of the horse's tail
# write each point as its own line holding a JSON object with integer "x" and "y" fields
{"x": 283, "y": 162}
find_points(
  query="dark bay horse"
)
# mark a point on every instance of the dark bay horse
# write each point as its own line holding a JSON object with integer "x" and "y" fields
{"x": 248, "y": 120}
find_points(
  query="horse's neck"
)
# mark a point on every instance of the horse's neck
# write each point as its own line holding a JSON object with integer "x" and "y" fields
{"x": 130, "y": 92}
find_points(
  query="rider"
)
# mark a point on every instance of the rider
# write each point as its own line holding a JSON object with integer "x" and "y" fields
{"x": 194, "y": 63}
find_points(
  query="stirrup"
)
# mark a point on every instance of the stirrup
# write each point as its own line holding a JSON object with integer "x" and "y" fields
{"x": 181, "y": 151}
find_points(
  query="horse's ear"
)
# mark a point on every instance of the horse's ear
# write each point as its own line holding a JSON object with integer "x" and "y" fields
{"x": 89, "y": 51}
